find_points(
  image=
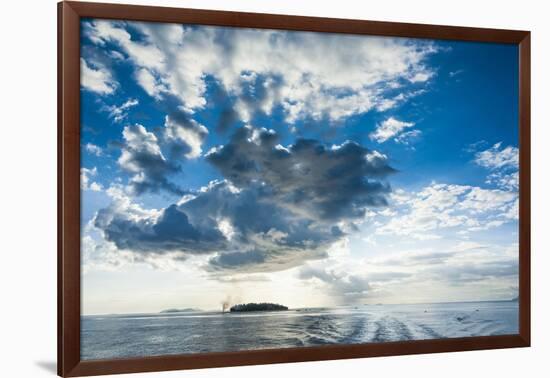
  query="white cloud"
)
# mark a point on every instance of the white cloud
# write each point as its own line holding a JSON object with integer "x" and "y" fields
{"x": 422, "y": 76}
{"x": 98, "y": 80}
{"x": 503, "y": 164}
{"x": 86, "y": 182}
{"x": 508, "y": 181}
{"x": 391, "y": 128}
{"x": 463, "y": 208}
{"x": 119, "y": 113}
{"x": 513, "y": 211}
{"x": 439, "y": 207}
{"x": 497, "y": 157}
{"x": 455, "y": 73}
{"x": 148, "y": 82}
{"x": 479, "y": 200}
{"x": 101, "y": 31}
{"x": 408, "y": 136}
{"x": 93, "y": 149}
{"x": 311, "y": 75}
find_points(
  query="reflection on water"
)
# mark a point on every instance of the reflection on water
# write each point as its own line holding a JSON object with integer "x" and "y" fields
{"x": 121, "y": 336}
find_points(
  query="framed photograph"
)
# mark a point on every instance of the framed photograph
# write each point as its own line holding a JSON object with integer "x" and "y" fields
{"x": 239, "y": 188}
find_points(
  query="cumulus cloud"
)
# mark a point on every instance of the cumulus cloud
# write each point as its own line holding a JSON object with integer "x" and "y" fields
{"x": 184, "y": 135}
{"x": 152, "y": 156}
{"x": 264, "y": 237}
{"x": 142, "y": 157}
{"x": 393, "y": 128}
{"x": 278, "y": 207}
{"x": 96, "y": 79}
{"x": 133, "y": 228}
{"x": 308, "y": 75}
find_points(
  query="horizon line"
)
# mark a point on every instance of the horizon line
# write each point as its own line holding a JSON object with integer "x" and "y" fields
{"x": 515, "y": 299}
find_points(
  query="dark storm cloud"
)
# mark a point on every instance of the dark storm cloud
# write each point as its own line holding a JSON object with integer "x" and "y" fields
{"x": 263, "y": 237}
{"x": 170, "y": 232}
{"x": 316, "y": 181}
{"x": 277, "y": 208}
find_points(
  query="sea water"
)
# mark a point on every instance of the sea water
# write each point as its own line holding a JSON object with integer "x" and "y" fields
{"x": 124, "y": 336}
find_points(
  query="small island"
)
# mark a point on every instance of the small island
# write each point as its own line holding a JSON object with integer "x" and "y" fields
{"x": 248, "y": 307}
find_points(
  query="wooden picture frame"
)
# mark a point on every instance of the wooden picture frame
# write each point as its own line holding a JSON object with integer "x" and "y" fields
{"x": 69, "y": 280}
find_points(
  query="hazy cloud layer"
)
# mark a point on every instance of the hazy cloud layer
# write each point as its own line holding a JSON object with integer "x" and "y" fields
{"x": 345, "y": 287}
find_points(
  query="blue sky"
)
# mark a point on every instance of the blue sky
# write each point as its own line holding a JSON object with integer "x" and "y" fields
{"x": 241, "y": 162}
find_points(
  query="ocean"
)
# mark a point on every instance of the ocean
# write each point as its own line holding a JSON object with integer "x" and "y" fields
{"x": 139, "y": 335}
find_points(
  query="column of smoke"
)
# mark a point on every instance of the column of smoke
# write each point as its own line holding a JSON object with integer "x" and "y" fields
{"x": 226, "y": 304}
{"x": 231, "y": 299}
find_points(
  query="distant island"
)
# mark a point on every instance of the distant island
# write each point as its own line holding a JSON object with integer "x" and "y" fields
{"x": 258, "y": 307}
{"x": 170, "y": 310}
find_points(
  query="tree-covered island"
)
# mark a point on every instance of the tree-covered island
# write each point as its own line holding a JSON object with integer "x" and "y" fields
{"x": 248, "y": 307}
